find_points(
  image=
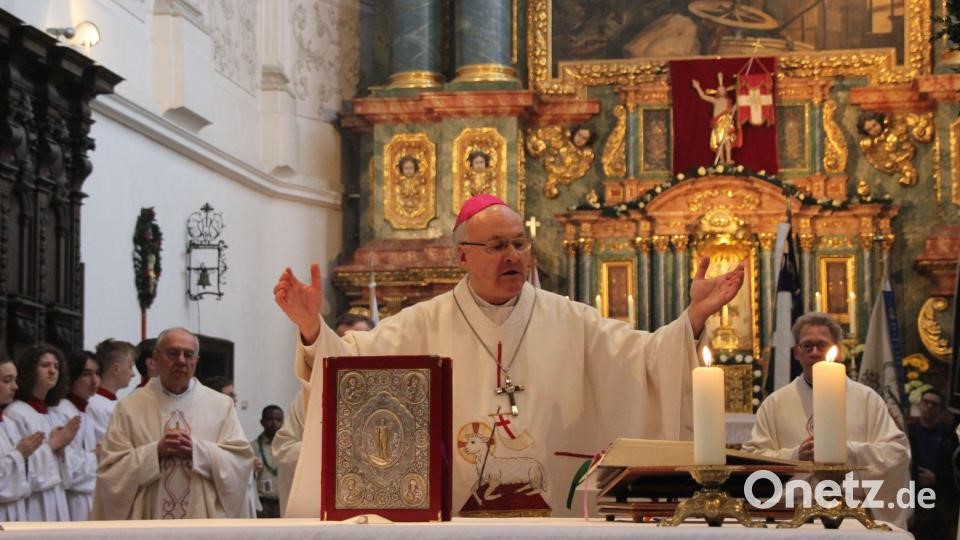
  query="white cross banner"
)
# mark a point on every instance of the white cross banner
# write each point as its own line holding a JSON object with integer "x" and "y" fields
{"x": 755, "y": 99}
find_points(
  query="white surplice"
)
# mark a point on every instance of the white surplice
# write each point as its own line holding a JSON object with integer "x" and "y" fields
{"x": 587, "y": 379}
{"x": 79, "y": 462}
{"x": 286, "y": 448}
{"x": 14, "y": 487}
{"x": 874, "y": 441}
{"x": 99, "y": 410}
{"x": 47, "y": 500}
{"x": 133, "y": 483}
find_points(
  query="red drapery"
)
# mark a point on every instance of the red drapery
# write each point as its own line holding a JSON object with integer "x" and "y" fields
{"x": 692, "y": 115}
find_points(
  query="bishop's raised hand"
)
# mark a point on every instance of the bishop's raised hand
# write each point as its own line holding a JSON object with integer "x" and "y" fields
{"x": 707, "y": 296}
{"x": 301, "y": 301}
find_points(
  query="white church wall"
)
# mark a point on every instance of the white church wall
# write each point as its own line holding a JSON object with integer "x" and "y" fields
{"x": 222, "y": 104}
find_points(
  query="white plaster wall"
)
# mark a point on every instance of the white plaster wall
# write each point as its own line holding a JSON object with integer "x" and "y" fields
{"x": 208, "y": 112}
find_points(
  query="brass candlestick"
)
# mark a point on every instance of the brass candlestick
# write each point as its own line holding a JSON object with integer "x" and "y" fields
{"x": 832, "y": 517}
{"x": 711, "y": 503}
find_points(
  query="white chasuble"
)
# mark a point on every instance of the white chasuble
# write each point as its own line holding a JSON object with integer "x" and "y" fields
{"x": 133, "y": 483}
{"x": 14, "y": 488}
{"x": 47, "y": 500}
{"x": 79, "y": 472}
{"x": 587, "y": 380}
{"x": 785, "y": 420}
{"x": 286, "y": 448}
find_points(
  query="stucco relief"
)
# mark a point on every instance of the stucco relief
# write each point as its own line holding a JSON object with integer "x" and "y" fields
{"x": 234, "y": 29}
{"x": 326, "y": 65}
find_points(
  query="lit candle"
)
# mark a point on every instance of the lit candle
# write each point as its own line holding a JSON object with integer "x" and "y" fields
{"x": 599, "y": 304}
{"x": 632, "y": 316}
{"x": 817, "y": 301}
{"x": 829, "y": 410}
{"x": 852, "y": 312}
{"x": 709, "y": 422}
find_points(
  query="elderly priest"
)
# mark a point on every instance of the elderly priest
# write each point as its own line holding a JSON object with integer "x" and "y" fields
{"x": 175, "y": 448}
{"x": 585, "y": 380}
{"x": 784, "y": 425}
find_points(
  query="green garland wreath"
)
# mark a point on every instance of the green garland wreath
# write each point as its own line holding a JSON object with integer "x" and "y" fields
{"x": 147, "y": 242}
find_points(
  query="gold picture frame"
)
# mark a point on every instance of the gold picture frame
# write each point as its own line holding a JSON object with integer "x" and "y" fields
{"x": 467, "y": 181}
{"x": 617, "y": 285}
{"x": 836, "y": 279}
{"x": 878, "y": 65}
{"x": 409, "y": 198}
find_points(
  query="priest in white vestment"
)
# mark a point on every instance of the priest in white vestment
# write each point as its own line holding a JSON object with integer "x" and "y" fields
{"x": 286, "y": 448}
{"x": 175, "y": 448}
{"x": 784, "y": 424}
{"x": 586, "y": 379}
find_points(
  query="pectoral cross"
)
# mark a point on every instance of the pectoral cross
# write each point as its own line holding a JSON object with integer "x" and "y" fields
{"x": 509, "y": 389}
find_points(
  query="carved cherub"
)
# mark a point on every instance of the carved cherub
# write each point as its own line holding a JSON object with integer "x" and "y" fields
{"x": 887, "y": 145}
{"x": 567, "y": 154}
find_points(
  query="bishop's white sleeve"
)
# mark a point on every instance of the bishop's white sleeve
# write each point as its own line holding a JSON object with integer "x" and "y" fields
{"x": 763, "y": 437}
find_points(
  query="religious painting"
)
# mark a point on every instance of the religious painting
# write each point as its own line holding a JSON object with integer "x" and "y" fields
{"x": 409, "y": 181}
{"x": 877, "y": 38}
{"x": 479, "y": 165}
{"x": 955, "y": 162}
{"x": 673, "y": 28}
{"x": 738, "y": 387}
{"x": 654, "y": 141}
{"x": 836, "y": 280}
{"x": 618, "y": 290}
{"x": 793, "y": 134}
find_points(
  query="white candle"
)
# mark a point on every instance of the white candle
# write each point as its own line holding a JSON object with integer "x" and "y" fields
{"x": 852, "y": 312}
{"x": 829, "y": 410}
{"x": 709, "y": 422}
{"x": 599, "y": 304}
{"x": 725, "y": 316}
{"x": 632, "y": 317}
{"x": 817, "y": 302}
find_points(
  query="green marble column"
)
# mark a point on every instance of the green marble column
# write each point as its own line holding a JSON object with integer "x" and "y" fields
{"x": 415, "y": 58}
{"x": 643, "y": 292}
{"x": 484, "y": 41}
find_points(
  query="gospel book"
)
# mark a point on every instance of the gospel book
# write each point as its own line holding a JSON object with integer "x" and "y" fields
{"x": 386, "y": 432}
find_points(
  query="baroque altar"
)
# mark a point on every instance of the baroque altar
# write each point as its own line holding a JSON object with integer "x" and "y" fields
{"x": 581, "y": 136}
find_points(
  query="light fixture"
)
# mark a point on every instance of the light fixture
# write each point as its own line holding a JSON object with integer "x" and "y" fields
{"x": 66, "y": 32}
{"x": 87, "y": 35}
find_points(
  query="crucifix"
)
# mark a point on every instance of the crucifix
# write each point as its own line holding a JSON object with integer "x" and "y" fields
{"x": 532, "y": 224}
{"x": 509, "y": 389}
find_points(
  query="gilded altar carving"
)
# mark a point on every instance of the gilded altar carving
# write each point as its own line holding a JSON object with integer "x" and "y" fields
{"x": 566, "y": 153}
{"x": 479, "y": 165}
{"x": 614, "y": 158}
{"x": 660, "y": 243}
{"x": 886, "y": 141}
{"x": 835, "y": 147}
{"x": 955, "y": 162}
{"x": 711, "y": 198}
{"x": 930, "y": 330}
{"x": 767, "y": 241}
{"x": 410, "y": 186}
{"x": 879, "y": 66}
{"x": 521, "y": 173}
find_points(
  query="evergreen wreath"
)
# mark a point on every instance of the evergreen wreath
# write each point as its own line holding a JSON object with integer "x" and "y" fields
{"x": 147, "y": 242}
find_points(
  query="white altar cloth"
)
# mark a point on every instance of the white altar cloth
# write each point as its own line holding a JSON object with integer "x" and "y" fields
{"x": 459, "y": 528}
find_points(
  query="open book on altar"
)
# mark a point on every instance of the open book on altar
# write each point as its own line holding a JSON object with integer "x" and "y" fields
{"x": 642, "y": 468}
{"x": 387, "y": 437}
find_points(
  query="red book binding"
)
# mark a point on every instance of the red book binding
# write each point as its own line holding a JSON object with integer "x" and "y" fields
{"x": 387, "y": 436}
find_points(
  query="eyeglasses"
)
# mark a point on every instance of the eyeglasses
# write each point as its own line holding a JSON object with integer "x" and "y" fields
{"x": 173, "y": 354}
{"x": 809, "y": 346}
{"x": 501, "y": 245}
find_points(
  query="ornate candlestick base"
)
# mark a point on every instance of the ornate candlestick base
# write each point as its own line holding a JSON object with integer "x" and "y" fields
{"x": 711, "y": 503}
{"x": 834, "y": 516}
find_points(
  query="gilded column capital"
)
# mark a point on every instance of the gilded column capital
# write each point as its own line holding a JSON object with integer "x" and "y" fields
{"x": 586, "y": 244}
{"x": 886, "y": 241}
{"x": 807, "y": 241}
{"x": 570, "y": 247}
{"x": 660, "y": 243}
{"x": 767, "y": 241}
{"x": 866, "y": 241}
{"x": 679, "y": 241}
{"x": 641, "y": 244}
